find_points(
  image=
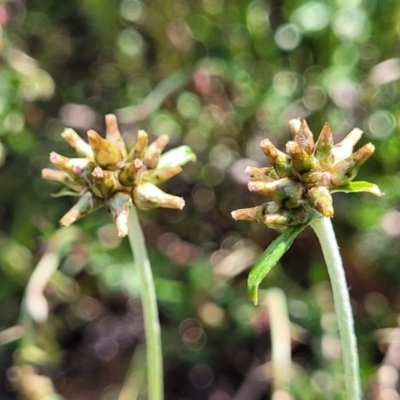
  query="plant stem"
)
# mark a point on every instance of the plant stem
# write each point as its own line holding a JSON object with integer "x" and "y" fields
{"x": 276, "y": 303}
{"x": 149, "y": 304}
{"x": 324, "y": 231}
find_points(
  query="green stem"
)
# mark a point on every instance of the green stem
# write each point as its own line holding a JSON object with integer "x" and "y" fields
{"x": 149, "y": 304}
{"x": 276, "y": 303}
{"x": 324, "y": 231}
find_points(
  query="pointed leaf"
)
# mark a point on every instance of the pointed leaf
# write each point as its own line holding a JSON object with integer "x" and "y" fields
{"x": 269, "y": 258}
{"x": 176, "y": 157}
{"x": 360, "y": 186}
{"x": 65, "y": 192}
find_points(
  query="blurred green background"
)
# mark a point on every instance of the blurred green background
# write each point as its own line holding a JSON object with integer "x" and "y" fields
{"x": 219, "y": 76}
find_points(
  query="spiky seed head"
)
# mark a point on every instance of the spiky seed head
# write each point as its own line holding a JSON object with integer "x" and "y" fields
{"x": 301, "y": 181}
{"x": 106, "y": 175}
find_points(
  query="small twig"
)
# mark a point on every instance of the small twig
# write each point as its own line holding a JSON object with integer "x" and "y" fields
{"x": 154, "y": 99}
{"x": 387, "y": 377}
{"x": 11, "y": 334}
{"x": 134, "y": 378}
{"x": 275, "y": 301}
{"x": 34, "y": 301}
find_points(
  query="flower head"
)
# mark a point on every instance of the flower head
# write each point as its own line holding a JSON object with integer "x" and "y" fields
{"x": 300, "y": 182}
{"x": 105, "y": 174}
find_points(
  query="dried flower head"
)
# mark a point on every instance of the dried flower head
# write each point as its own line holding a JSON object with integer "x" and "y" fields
{"x": 300, "y": 182}
{"x": 105, "y": 174}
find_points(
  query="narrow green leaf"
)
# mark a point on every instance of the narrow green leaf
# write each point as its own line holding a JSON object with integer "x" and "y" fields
{"x": 65, "y": 192}
{"x": 176, "y": 157}
{"x": 353, "y": 187}
{"x": 269, "y": 258}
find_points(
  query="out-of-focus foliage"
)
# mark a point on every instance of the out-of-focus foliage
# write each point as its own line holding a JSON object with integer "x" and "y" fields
{"x": 218, "y": 76}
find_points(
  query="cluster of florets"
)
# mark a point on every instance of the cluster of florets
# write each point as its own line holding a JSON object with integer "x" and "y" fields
{"x": 300, "y": 182}
{"x": 107, "y": 175}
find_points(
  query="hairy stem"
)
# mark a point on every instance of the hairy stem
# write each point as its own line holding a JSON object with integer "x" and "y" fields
{"x": 149, "y": 304}
{"x": 324, "y": 231}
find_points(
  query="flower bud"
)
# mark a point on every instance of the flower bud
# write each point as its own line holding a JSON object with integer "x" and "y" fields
{"x": 261, "y": 174}
{"x": 276, "y": 221}
{"x": 305, "y": 165}
{"x": 323, "y": 147}
{"x": 284, "y": 191}
{"x": 278, "y": 159}
{"x": 77, "y": 168}
{"x": 288, "y": 217}
{"x": 104, "y": 183}
{"x": 154, "y": 150}
{"x": 344, "y": 149}
{"x": 127, "y": 175}
{"x": 106, "y": 154}
{"x": 320, "y": 198}
{"x": 86, "y": 204}
{"x": 302, "y": 134}
{"x": 82, "y": 148}
{"x": 255, "y": 213}
{"x": 113, "y": 134}
{"x": 119, "y": 206}
{"x": 140, "y": 146}
{"x": 146, "y": 196}
{"x": 346, "y": 170}
{"x": 158, "y": 176}
{"x": 61, "y": 177}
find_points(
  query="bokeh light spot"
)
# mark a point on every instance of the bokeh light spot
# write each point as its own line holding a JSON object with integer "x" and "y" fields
{"x": 346, "y": 54}
{"x": 86, "y": 308}
{"x": 200, "y": 27}
{"x": 376, "y": 304}
{"x": 312, "y": 16}
{"x": 239, "y": 167}
{"x": 132, "y": 10}
{"x": 14, "y": 122}
{"x": 211, "y": 314}
{"x": 192, "y": 334}
{"x": 188, "y": 105}
{"x": 381, "y": 124}
{"x": 204, "y": 197}
{"x": 257, "y": 18}
{"x": 219, "y": 395}
{"x": 314, "y": 98}
{"x": 106, "y": 348}
{"x": 212, "y": 175}
{"x": 197, "y": 139}
{"x": 390, "y": 223}
{"x": 78, "y": 116}
{"x": 108, "y": 237}
{"x": 213, "y": 6}
{"x": 351, "y": 23}
{"x": 288, "y": 37}
{"x": 281, "y": 394}
{"x": 345, "y": 94}
{"x": 201, "y": 376}
{"x": 130, "y": 42}
{"x": 285, "y": 83}
{"x": 220, "y": 156}
{"x": 164, "y": 123}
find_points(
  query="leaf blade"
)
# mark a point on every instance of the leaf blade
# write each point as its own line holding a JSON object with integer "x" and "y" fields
{"x": 176, "y": 157}
{"x": 359, "y": 186}
{"x": 269, "y": 258}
